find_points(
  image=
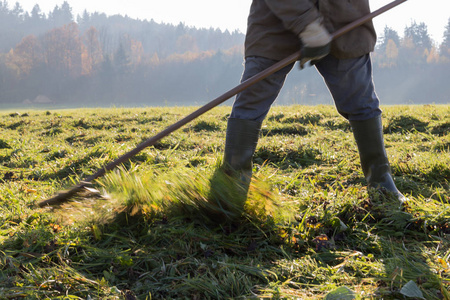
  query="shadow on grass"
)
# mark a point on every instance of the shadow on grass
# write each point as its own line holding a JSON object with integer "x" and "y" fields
{"x": 76, "y": 166}
{"x": 405, "y": 123}
{"x": 204, "y": 126}
{"x": 396, "y": 239}
{"x": 138, "y": 252}
{"x": 152, "y": 240}
{"x": 287, "y": 158}
{"x": 291, "y": 129}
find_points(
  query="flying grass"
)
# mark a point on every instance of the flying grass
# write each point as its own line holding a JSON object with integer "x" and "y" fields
{"x": 191, "y": 194}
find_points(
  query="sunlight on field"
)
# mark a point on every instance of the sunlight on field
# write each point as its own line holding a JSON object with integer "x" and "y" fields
{"x": 150, "y": 230}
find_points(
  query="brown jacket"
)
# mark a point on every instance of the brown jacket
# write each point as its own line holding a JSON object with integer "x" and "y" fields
{"x": 274, "y": 26}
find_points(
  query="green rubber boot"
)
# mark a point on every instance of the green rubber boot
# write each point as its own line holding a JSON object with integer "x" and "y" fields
{"x": 241, "y": 141}
{"x": 231, "y": 181}
{"x": 374, "y": 161}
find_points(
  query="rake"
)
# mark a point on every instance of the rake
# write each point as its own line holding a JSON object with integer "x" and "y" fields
{"x": 64, "y": 196}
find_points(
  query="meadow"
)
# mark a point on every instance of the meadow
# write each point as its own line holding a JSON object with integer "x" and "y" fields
{"x": 155, "y": 229}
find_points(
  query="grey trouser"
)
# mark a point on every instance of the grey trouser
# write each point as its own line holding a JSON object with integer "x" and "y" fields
{"x": 348, "y": 80}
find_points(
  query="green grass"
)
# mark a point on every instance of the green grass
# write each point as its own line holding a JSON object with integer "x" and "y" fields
{"x": 148, "y": 230}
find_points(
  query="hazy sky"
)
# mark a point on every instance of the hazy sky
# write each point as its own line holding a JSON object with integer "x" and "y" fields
{"x": 232, "y": 14}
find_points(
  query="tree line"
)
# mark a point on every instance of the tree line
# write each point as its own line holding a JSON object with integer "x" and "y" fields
{"x": 98, "y": 60}
{"x": 408, "y": 69}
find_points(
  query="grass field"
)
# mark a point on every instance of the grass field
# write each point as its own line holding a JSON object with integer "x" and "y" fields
{"x": 310, "y": 228}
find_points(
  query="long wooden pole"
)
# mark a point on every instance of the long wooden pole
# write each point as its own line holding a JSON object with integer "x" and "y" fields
{"x": 64, "y": 196}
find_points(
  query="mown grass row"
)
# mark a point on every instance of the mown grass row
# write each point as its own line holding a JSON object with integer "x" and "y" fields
{"x": 309, "y": 229}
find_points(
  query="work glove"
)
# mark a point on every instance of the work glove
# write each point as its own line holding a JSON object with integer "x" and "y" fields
{"x": 316, "y": 43}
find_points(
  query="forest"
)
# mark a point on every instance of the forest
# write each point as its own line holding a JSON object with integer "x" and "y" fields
{"x": 57, "y": 59}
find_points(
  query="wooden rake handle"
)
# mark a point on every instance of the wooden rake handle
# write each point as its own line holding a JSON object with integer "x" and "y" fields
{"x": 64, "y": 196}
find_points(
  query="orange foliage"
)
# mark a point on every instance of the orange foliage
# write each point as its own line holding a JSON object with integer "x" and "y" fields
{"x": 432, "y": 55}
{"x": 64, "y": 50}
{"x": 25, "y": 56}
{"x": 93, "y": 56}
{"x": 189, "y": 56}
{"x": 186, "y": 43}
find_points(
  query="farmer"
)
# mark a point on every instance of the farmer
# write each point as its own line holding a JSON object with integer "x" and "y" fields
{"x": 278, "y": 28}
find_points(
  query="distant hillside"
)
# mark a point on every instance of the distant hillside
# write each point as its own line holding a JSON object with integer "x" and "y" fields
{"x": 100, "y": 60}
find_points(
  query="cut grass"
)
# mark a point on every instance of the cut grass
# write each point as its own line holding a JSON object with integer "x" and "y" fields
{"x": 309, "y": 226}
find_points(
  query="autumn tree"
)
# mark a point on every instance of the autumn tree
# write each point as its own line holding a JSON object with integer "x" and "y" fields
{"x": 63, "y": 50}
{"x": 415, "y": 45}
{"x": 26, "y": 56}
{"x": 134, "y": 51}
{"x": 389, "y": 34}
{"x": 432, "y": 55}
{"x": 93, "y": 56}
{"x": 186, "y": 43}
{"x": 388, "y": 50}
{"x": 391, "y": 53}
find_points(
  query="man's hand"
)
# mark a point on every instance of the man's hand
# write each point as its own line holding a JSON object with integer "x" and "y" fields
{"x": 316, "y": 43}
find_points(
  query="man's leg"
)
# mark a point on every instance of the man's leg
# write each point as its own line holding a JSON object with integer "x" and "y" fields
{"x": 351, "y": 85}
{"x": 249, "y": 110}
{"x": 254, "y": 102}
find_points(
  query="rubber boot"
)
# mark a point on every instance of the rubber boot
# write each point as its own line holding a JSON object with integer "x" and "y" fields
{"x": 374, "y": 161}
{"x": 231, "y": 181}
{"x": 241, "y": 141}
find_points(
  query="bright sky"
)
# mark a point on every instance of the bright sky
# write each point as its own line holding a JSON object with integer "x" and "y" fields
{"x": 232, "y": 14}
